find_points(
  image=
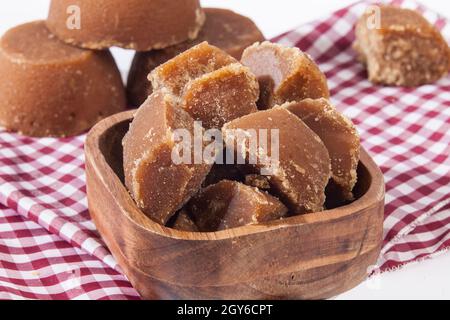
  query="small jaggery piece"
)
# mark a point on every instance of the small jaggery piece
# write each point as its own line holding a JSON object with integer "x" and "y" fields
{"x": 140, "y": 25}
{"x": 284, "y": 74}
{"x": 52, "y": 89}
{"x": 158, "y": 185}
{"x": 183, "y": 222}
{"x": 339, "y": 136}
{"x": 405, "y": 51}
{"x": 209, "y": 84}
{"x": 223, "y": 28}
{"x": 230, "y": 204}
{"x": 257, "y": 181}
{"x": 303, "y": 168}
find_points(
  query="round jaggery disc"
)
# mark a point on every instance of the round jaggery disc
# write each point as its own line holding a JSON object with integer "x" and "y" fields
{"x": 339, "y": 136}
{"x": 159, "y": 185}
{"x": 223, "y": 28}
{"x": 302, "y": 162}
{"x": 52, "y": 89}
{"x": 284, "y": 74}
{"x": 141, "y": 25}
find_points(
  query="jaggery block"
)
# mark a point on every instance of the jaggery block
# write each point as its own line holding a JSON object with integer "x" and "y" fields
{"x": 404, "y": 50}
{"x": 183, "y": 222}
{"x": 221, "y": 96}
{"x": 302, "y": 170}
{"x": 209, "y": 84}
{"x": 223, "y": 28}
{"x": 52, "y": 89}
{"x": 158, "y": 185}
{"x": 339, "y": 136}
{"x": 140, "y": 25}
{"x": 230, "y": 204}
{"x": 284, "y": 74}
{"x": 176, "y": 73}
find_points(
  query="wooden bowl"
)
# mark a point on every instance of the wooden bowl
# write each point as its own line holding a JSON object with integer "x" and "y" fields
{"x": 313, "y": 256}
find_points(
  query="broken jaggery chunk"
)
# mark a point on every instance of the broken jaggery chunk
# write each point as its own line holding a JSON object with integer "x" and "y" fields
{"x": 230, "y": 204}
{"x": 221, "y": 96}
{"x": 158, "y": 185}
{"x": 284, "y": 74}
{"x": 209, "y": 84}
{"x": 339, "y": 136}
{"x": 223, "y": 28}
{"x": 176, "y": 73}
{"x": 140, "y": 25}
{"x": 183, "y": 222}
{"x": 49, "y": 88}
{"x": 301, "y": 172}
{"x": 257, "y": 181}
{"x": 406, "y": 50}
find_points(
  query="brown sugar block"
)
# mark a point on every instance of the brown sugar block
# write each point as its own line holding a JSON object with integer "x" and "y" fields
{"x": 141, "y": 25}
{"x": 183, "y": 222}
{"x": 221, "y": 96}
{"x": 52, "y": 89}
{"x": 303, "y": 169}
{"x": 176, "y": 73}
{"x": 339, "y": 136}
{"x": 284, "y": 74}
{"x": 230, "y": 204}
{"x": 406, "y": 50}
{"x": 223, "y": 28}
{"x": 159, "y": 186}
{"x": 209, "y": 84}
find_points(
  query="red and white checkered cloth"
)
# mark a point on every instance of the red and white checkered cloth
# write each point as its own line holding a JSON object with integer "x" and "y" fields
{"x": 49, "y": 248}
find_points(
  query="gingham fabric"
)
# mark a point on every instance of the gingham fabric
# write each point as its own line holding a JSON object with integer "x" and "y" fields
{"x": 49, "y": 248}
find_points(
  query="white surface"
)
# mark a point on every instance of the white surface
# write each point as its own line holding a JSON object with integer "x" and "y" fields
{"x": 427, "y": 280}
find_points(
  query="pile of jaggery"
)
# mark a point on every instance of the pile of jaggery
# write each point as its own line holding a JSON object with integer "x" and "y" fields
{"x": 271, "y": 88}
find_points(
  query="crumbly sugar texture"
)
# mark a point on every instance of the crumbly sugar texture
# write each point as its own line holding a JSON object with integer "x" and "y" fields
{"x": 183, "y": 222}
{"x": 50, "y": 88}
{"x": 406, "y": 51}
{"x": 284, "y": 74}
{"x": 209, "y": 84}
{"x": 339, "y": 136}
{"x": 223, "y": 28}
{"x": 230, "y": 204}
{"x": 302, "y": 171}
{"x": 159, "y": 186}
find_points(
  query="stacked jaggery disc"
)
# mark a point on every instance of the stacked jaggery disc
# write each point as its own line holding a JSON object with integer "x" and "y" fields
{"x": 223, "y": 28}
{"x": 280, "y": 148}
{"x": 50, "y": 88}
{"x": 60, "y": 78}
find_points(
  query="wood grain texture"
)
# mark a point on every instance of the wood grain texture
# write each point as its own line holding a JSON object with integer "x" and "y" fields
{"x": 313, "y": 256}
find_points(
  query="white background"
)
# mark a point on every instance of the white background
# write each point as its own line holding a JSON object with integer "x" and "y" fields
{"x": 426, "y": 280}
